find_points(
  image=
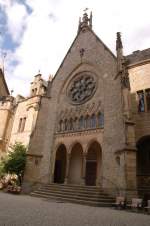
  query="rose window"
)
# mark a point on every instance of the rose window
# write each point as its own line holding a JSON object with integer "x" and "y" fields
{"x": 82, "y": 88}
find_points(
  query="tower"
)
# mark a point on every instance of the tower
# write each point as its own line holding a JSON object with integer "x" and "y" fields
{"x": 129, "y": 150}
{"x": 38, "y": 86}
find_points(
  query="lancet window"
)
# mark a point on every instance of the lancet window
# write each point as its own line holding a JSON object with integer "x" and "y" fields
{"x": 100, "y": 120}
{"x": 143, "y": 97}
{"x": 93, "y": 121}
{"x": 22, "y": 123}
{"x": 86, "y": 122}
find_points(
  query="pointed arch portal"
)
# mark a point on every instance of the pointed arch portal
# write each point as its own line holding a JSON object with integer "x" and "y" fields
{"x": 93, "y": 164}
{"x": 77, "y": 166}
{"x": 60, "y": 164}
{"x": 75, "y": 169}
{"x": 143, "y": 161}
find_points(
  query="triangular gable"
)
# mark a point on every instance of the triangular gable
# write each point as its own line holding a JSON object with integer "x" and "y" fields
{"x": 99, "y": 40}
{"x": 103, "y": 44}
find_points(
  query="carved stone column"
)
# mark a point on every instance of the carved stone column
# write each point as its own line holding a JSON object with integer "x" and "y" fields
{"x": 67, "y": 168}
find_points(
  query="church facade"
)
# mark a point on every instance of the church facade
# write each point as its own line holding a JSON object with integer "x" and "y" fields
{"x": 90, "y": 124}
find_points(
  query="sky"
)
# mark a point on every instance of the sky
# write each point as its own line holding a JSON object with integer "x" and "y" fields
{"x": 36, "y": 34}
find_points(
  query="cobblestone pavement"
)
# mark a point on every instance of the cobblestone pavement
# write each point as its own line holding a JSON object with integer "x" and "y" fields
{"x": 19, "y": 210}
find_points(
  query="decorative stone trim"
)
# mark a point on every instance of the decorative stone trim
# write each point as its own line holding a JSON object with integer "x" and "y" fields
{"x": 131, "y": 149}
{"x": 79, "y": 133}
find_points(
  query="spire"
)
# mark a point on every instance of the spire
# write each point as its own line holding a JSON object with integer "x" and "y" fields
{"x": 79, "y": 24}
{"x": 122, "y": 72}
{"x": 2, "y": 66}
{"x": 119, "y": 49}
{"x": 85, "y": 23}
{"x": 90, "y": 22}
{"x": 118, "y": 41}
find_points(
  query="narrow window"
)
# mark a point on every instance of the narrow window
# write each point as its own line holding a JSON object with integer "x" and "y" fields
{"x": 23, "y": 124}
{"x": 70, "y": 124}
{"x": 60, "y": 128}
{"x": 93, "y": 121}
{"x": 20, "y": 122}
{"x": 81, "y": 122}
{"x": 141, "y": 104}
{"x": 100, "y": 120}
{"x": 32, "y": 92}
{"x": 35, "y": 91}
{"x": 66, "y": 125}
{"x": 118, "y": 160}
{"x": 147, "y": 93}
{"x": 87, "y": 122}
{"x": 75, "y": 124}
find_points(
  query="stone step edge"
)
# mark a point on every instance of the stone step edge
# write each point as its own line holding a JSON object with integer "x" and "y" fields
{"x": 83, "y": 202}
{"x": 74, "y": 197}
{"x": 74, "y": 185}
{"x": 100, "y": 195}
{"x": 74, "y": 191}
{"x": 73, "y": 188}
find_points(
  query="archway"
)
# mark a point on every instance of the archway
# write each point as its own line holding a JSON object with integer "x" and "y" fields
{"x": 60, "y": 164}
{"x": 143, "y": 161}
{"x": 75, "y": 169}
{"x": 93, "y": 164}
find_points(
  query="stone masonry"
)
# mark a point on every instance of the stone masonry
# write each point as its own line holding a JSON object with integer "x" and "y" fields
{"x": 87, "y": 121}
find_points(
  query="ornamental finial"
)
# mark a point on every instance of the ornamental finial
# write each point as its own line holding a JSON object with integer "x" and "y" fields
{"x": 118, "y": 41}
{"x": 86, "y": 22}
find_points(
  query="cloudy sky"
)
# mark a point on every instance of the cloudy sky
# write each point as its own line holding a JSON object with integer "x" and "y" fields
{"x": 36, "y": 34}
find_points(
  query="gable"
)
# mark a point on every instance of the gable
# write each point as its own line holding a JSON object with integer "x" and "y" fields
{"x": 86, "y": 40}
{"x": 86, "y": 49}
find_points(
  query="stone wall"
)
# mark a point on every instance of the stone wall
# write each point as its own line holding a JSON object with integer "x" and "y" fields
{"x": 139, "y": 75}
{"x": 97, "y": 60}
{"x": 6, "y": 120}
{"x": 28, "y": 109}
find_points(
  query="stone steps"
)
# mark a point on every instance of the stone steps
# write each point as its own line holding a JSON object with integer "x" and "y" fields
{"x": 75, "y": 196}
{"x": 92, "y": 196}
{"x": 74, "y": 187}
{"x": 79, "y": 193}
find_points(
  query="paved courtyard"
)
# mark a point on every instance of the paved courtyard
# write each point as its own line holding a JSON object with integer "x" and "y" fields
{"x": 25, "y": 210}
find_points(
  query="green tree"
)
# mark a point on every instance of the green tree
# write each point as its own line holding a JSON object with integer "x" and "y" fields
{"x": 2, "y": 168}
{"x": 16, "y": 161}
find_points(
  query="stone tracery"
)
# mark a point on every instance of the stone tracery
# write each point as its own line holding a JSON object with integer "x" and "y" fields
{"x": 81, "y": 123}
{"x": 87, "y": 117}
{"x": 82, "y": 88}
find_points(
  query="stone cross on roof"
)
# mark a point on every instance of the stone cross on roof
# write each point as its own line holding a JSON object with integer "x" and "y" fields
{"x": 85, "y": 10}
{"x": 86, "y": 21}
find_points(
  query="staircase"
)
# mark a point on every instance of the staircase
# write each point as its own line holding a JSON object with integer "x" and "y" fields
{"x": 86, "y": 195}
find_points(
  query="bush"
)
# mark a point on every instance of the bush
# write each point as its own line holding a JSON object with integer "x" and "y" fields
{"x": 2, "y": 169}
{"x": 16, "y": 161}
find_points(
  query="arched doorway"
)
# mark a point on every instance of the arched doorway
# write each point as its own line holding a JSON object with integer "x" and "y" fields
{"x": 75, "y": 169}
{"x": 93, "y": 164}
{"x": 143, "y": 161}
{"x": 60, "y": 164}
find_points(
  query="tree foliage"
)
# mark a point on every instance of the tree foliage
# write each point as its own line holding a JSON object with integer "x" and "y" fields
{"x": 16, "y": 160}
{"x": 2, "y": 169}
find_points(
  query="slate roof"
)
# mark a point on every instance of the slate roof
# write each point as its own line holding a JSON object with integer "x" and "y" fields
{"x": 139, "y": 55}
